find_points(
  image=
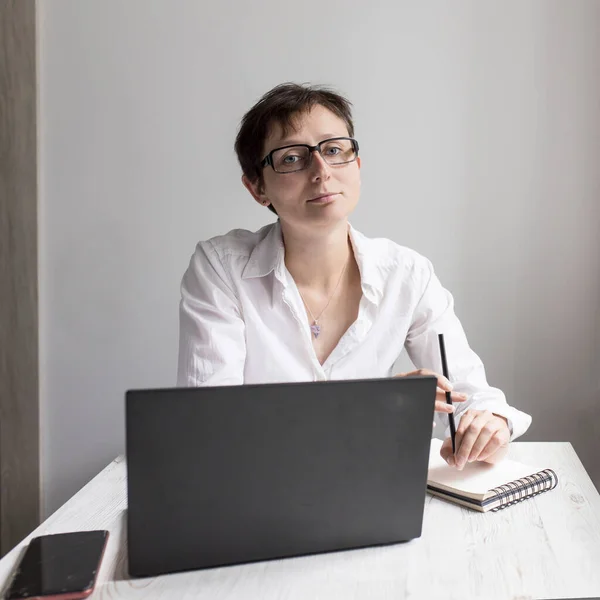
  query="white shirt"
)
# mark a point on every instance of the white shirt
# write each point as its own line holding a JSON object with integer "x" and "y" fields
{"x": 242, "y": 321}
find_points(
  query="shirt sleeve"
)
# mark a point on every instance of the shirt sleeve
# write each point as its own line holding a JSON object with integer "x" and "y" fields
{"x": 433, "y": 315}
{"x": 212, "y": 345}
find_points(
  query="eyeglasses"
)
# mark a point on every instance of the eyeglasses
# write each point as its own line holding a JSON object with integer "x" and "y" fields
{"x": 289, "y": 159}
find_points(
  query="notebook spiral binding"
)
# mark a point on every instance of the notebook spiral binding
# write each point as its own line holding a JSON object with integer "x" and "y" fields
{"x": 524, "y": 488}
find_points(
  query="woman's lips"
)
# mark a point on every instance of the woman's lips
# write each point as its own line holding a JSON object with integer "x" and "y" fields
{"x": 323, "y": 199}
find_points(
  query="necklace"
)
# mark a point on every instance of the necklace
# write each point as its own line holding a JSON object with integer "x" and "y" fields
{"x": 315, "y": 327}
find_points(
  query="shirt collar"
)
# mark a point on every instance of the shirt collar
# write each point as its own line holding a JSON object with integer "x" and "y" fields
{"x": 371, "y": 265}
{"x": 268, "y": 255}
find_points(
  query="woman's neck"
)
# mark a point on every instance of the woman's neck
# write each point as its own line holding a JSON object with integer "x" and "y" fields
{"x": 317, "y": 261}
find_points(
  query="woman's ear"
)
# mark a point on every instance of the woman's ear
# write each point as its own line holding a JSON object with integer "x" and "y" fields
{"x": 256, "y": 191}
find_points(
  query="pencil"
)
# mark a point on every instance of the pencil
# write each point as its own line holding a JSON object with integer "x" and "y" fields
{"x": 448, "y": 397}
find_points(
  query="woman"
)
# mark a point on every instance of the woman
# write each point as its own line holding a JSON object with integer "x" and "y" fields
{"x": 309, "y": 297}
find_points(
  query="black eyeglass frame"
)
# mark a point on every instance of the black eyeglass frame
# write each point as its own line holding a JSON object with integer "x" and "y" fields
{"x": 268, "y": 159}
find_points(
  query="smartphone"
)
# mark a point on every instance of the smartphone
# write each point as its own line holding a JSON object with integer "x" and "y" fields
{"x": 61, "y": 566}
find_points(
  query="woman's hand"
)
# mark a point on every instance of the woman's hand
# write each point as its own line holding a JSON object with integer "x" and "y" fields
{"x": 481, "y": 436}
{"x": 443, "y": 386}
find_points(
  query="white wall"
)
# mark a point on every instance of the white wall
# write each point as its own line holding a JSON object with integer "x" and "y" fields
{"x": 479, "y": 123}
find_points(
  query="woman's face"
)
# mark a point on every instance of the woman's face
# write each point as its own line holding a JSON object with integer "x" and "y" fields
{"x": 293, "y": 195}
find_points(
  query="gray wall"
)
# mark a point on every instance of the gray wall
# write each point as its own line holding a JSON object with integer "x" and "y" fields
{"x": 480, "y": 133}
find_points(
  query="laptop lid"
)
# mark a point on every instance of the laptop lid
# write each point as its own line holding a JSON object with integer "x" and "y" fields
{"x": 231, "y": 474}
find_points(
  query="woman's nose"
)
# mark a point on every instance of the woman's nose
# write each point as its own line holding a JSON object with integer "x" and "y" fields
{"x": 319, "y": 166}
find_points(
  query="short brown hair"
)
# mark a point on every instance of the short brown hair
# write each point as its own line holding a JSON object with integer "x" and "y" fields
{"x": 281, "y": 105}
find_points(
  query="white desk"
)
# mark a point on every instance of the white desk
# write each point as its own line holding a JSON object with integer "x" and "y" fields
{"x": 547, "y": 547}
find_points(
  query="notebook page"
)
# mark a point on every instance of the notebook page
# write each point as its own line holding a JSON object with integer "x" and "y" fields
{"x": 476, "y": 479}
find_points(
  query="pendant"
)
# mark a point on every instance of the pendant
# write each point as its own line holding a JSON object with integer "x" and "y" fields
{"x": 316, "y": 329}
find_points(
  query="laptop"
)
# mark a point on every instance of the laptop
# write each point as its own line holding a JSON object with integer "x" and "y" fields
{"x": 234, "y": 474}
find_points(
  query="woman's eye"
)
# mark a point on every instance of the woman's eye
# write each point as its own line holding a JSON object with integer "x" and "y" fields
{"x": 290, "y": 159}
{"x": 333, "y": 150}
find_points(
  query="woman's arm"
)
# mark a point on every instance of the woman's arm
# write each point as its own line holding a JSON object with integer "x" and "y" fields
{"x": 435, "y": 314}
{"x": 212, "y": 345}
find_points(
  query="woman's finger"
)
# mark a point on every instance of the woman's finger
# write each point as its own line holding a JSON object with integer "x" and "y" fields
{"x": 492, "y": 452}
{"x": 440, "y": 402}
{"x": 491, "y": 446}
{"x": 497, "y": 456}
{"x": 485, "y": 438}
{"x": 454, "y": 396}
{"x": 469, "y": 436}
{"x": 446, "y": 451}
{"x": 444, "y": 407}
{"x": 465, "y": 421}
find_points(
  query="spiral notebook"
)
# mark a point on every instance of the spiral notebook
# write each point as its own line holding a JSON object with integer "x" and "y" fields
{"x": 486, "y": 487}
